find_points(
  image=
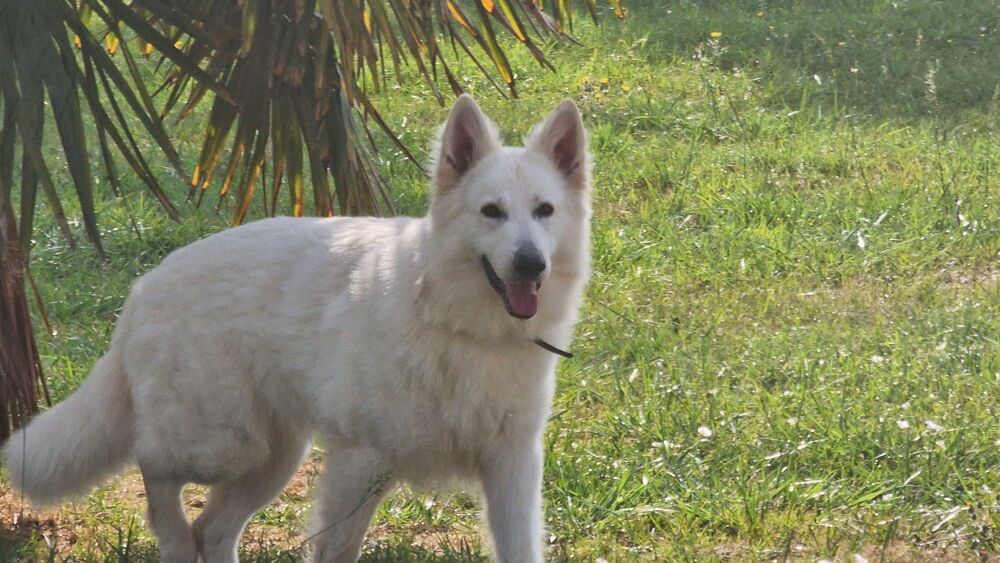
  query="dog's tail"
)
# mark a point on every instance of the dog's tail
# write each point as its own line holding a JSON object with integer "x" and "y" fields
{"x": 78, "y": 443}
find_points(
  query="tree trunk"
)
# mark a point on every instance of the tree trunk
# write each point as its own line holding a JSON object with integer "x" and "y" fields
{"x": 20, "y": 368}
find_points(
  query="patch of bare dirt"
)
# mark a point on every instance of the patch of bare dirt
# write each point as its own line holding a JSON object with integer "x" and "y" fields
{"x": 984, "y": 276}
{"x": 426, "y": 538}
{"x": 88, "y": 525}
{"x": 72, "y": 523}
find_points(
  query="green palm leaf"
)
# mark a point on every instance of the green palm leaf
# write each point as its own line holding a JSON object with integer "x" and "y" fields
{"x": 266, "y": 56}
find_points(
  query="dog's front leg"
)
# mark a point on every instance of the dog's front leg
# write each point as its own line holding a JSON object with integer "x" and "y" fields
{"x": 512, "y": 483}
{"x": 353, "y": 482}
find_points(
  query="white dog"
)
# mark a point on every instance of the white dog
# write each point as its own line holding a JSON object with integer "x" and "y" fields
{"x": 416, "y": 349}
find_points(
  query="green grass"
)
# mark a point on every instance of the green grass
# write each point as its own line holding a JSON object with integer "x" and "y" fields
{"x": 790, "y": 342}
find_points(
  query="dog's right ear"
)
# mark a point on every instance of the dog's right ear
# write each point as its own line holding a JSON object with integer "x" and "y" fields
{"x": 466, "y": 138}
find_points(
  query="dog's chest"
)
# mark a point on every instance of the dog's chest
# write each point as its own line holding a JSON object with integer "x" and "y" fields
{"x": 452, "y": 406}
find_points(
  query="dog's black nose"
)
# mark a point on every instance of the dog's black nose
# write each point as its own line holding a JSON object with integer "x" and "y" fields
{"x": 528, "y": 262}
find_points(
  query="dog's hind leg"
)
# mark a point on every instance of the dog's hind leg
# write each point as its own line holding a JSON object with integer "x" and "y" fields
{"x": 353, "y": 483}
{"x": 166, "y": 517}
{"x": 231, "y": 503}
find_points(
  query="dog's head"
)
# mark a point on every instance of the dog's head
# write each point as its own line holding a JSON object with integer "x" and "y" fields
{"x": 520, "y": 214}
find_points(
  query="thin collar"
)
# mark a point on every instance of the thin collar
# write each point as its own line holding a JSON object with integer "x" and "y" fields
{"x": 550, "y": 348}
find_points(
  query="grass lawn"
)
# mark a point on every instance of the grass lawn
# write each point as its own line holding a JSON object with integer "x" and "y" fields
{"x": 790, "y": 343}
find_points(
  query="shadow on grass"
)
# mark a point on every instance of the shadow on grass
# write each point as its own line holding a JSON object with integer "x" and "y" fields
{"x": 906, "y": 59}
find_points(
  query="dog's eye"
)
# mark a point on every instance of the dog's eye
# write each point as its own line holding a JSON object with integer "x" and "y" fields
{"x": 544, "y": 210}
{"x": 493, "y": 211}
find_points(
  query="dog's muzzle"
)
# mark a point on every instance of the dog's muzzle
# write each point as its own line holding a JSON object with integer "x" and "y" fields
{"x": 519, "y": 295}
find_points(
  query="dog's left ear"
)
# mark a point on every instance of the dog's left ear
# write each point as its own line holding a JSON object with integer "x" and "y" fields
{"x": 563, "y": 139}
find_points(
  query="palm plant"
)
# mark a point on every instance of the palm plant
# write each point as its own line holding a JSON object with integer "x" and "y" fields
{"x": 286, "y": 81}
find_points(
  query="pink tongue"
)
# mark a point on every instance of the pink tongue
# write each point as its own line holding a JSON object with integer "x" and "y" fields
{"x": 523, "y": 297}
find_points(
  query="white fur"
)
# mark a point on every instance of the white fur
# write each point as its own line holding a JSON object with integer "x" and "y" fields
{"x": 382, "y": 337}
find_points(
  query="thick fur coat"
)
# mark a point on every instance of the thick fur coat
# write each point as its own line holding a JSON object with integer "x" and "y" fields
{"x": 405, "y": 345}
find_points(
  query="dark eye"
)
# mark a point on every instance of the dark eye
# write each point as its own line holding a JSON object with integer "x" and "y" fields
{"x": 544, "y": 210}
{"x": 493, "y": 211}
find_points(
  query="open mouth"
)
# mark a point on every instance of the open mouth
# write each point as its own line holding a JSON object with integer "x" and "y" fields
{"x": 520, "y": 297}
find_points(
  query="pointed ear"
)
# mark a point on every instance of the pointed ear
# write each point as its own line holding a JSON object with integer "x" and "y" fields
{"x": 563, "y": 139}
{"x": 465, "y": 139}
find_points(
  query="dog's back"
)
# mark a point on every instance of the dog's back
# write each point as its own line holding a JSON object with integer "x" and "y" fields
{"x": 220, "y": 341}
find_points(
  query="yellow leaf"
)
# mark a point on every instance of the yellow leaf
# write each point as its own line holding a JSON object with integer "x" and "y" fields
{"x": 760, "y": 14}
{"x": 458, "y": 16}
{"x": 716, "y": 34}
{"x": 179, "y": 44}
{"x": 368, "y": 20}
{"x": 604, "y": 80}
{"x": 196, "y": 175}
{"x": 512, "y": 20}
{"x": 111, "y": 42}
{"x": 147, "y": 49}
{"x": 598, "y": 96}
{"x": 626, "y": 88}
{"x": 77, "y": 42}
{"x": 488, "y": 4}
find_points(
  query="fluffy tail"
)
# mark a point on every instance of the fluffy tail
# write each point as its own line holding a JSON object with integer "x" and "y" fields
{"x": 75, "y": 445}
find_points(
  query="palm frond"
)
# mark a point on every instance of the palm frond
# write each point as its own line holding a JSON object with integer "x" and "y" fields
{"x": 304, "y": 61}
{"x": 41, "y": 68}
